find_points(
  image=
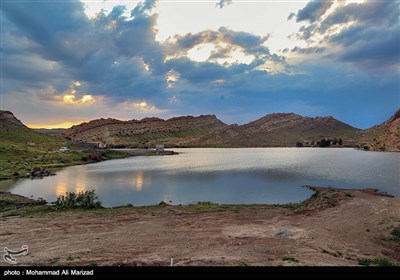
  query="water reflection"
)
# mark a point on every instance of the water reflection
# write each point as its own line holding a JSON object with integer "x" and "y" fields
{"x": 61, "y": 189}
{"x": 80, "y": 187}
{"x": 272, "y": 175}
{"x": 137, "y": 182}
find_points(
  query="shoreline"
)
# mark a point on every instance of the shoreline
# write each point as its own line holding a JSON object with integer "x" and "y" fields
{"x": 130, "y": 152}
{"x": 122, "y": 154}
{"x": 333, "y": 227}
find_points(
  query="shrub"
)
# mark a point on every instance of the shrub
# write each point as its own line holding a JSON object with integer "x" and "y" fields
{"x": 396, "y": 232}
{"x": 377, "y": 262}
{"x": 94, "y": 156}
{"x": 290, "y": 259}
{"x": 71, "y": 200}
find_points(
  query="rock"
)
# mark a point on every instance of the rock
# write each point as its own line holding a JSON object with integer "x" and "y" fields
{"x": 283, "y": 233}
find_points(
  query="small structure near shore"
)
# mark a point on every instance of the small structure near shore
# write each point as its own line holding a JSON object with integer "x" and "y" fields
{"x": 159, "y": 148}
{"x": 63, "y": 149}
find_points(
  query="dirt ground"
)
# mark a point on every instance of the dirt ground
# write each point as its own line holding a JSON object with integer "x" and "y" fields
{"x": 334, "y": 231}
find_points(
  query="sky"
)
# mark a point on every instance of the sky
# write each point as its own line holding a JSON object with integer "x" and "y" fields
{"x": 68, "y": 61}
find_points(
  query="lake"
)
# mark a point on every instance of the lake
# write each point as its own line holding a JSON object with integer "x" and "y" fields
{"x": 235, "y": 176}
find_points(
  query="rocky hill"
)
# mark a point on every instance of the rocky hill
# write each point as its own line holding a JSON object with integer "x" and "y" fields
{"x": 284, "y": 130}
{"x": 13, "y": 130}
{"x": 273, "y": 130}
{"x": 8, "y": 121}
{"x": 178, "y": 131}
{"x": 208, "y": 131}
{"x": 383, "y": 137}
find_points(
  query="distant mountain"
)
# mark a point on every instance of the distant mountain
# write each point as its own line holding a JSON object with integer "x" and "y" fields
{"x": 273, "y": 130}
{"x": 208, "y": 131}
{"x": 287, "y": 129}
{"x": 49, "y": 131}
{"x": 383, "y": 137}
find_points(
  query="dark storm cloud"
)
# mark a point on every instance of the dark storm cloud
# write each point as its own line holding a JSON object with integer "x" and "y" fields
{"x": 83, "y": 49}
{"x": 368, "y": 36}
{"x": 242, "y": 39}
{"x": 312, "y": 11}
{"x": 47, "y": 45}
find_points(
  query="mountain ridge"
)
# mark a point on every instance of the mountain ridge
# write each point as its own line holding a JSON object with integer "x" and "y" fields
{"x": 209, "y": 131}
{"x": 272, "y": 130}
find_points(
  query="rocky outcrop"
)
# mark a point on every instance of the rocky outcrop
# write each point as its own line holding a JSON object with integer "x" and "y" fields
{"x": 383, "y": 137}
{"x": 8, "y": 120}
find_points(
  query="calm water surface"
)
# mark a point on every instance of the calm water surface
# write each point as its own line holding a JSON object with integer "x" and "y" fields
{"x": 259, "y": 175}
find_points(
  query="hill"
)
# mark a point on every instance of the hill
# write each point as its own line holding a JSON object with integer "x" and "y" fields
{"x": 178, "y": 131}
{"x": 13, "y": 130}
{"x": 208, "y": 131}
{"x": 383, "y": 137}
{"x": 23, "y": 150}
{"x": 49, "y": 131}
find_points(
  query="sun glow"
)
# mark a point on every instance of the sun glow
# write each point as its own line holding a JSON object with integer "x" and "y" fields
{"x": 201, "y": 52}
{"x": 53, "y": 125}
{"x": 71, "y": 99}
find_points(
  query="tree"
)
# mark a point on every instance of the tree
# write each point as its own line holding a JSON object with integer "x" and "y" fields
{"x": 299, "y": 144}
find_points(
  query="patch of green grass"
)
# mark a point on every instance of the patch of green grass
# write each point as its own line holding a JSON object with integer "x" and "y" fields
{"x": 54, "y": 260}
{"x": 348, "y": 195}
{"x": 22, "y": 149}
{"x": 396, "y": 232}
{"x": 290, "y": 259}
{"x": 377, "y": 262}
{"x": 71, "y": 258}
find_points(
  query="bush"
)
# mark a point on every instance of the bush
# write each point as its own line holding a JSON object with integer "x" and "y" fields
{"x": 377, "y": 262}
{"x": 290, "y": 259}
{"x": 94, "y": 156}
{"x": 396, "y": 232}
{"x": 71, "y": 200}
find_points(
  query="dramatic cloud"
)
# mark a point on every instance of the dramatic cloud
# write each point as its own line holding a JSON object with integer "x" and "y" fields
{"x": 364, "y": 34}
{"x": 312, "y": 11}
{"x": 61, "y": 64}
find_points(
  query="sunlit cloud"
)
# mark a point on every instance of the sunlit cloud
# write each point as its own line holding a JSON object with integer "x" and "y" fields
{"x": 172, "y": 77}
{"x": 137, "y": 105}
{"x": 131, "y": 59}
{"x": 200, "y": 52}
{"x": 220, "y": 81}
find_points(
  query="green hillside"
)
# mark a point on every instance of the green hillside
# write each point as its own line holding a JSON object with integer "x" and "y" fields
{"x": 22, "y": 149}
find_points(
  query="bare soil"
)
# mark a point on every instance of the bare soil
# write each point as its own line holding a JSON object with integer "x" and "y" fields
{"x": 334, "y": 228}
